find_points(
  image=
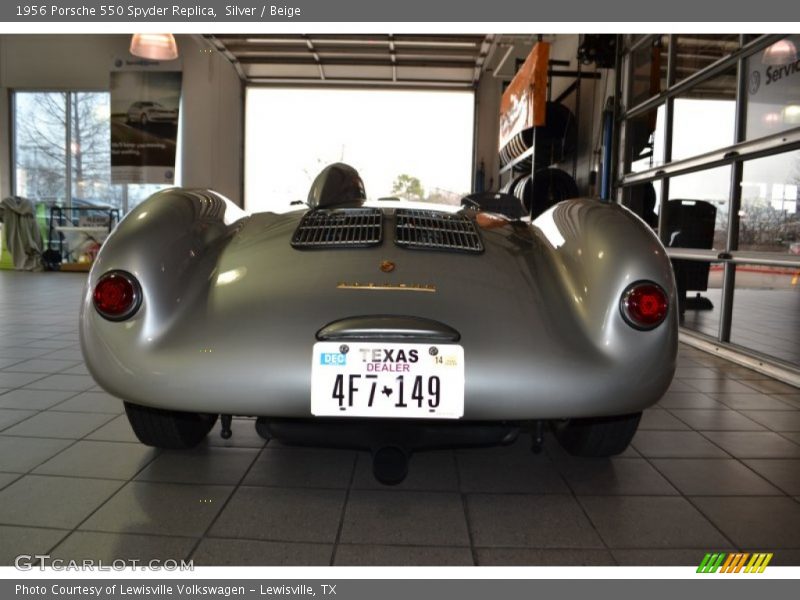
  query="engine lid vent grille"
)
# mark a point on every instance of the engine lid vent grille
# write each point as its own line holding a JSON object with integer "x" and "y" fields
{"x": 433, "y": 230}
{"x": 339, "y": 228}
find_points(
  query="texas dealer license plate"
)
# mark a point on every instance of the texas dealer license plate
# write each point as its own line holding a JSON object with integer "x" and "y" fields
{"x": 355, "y": 379}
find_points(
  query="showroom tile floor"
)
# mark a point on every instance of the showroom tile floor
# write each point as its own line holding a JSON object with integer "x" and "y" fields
{"x": 715, "y": 466}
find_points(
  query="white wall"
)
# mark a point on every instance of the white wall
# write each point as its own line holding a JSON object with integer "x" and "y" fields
{"x": 564, "y": 47}
{"x": 211, "y": 120}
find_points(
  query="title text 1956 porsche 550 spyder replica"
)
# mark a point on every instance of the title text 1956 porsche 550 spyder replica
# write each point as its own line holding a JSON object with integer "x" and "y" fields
{"x": 390, "y": 326}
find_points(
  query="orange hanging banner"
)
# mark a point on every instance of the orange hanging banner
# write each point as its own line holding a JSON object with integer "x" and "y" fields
{"x": 523, "y": 104}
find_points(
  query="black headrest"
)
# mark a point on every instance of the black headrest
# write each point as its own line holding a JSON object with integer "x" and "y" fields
{"x": 337, "y": 184}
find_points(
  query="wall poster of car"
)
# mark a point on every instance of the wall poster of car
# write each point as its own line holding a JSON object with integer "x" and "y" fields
{"x": 144, "y": 123}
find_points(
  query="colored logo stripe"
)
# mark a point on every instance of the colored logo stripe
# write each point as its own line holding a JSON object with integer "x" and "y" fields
{"x": 734, "y": 562}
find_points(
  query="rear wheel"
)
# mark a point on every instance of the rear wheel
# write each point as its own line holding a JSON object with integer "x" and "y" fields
{"x": 168, "y": 429}
{"x": 599, "y": 436}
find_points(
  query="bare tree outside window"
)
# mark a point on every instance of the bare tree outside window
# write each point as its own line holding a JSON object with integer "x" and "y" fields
{"x": 55, "y": 131}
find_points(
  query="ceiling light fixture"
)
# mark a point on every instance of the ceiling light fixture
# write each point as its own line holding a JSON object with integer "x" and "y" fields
{"x": 155, "y": 46}
{"x": 780, "y": 53}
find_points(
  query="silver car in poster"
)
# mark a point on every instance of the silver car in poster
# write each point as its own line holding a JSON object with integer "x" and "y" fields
{"x": 391, "y": 326}
{"x": 144, "y": 113}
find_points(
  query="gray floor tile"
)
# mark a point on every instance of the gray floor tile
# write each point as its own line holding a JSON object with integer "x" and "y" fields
{"x": 770, "y": 386}
{"x": 660, "y": 419}
{"x": 21, "y": 454}
{"x": 716, "y": 420}
{"x": 688, "y": 400}
{"x": 33, "y": 399}
{"x": 79, "y": 369}
{"x": 160, "y": 508}
{"x": 78, "y": 383}
{"x": 518, "y": 557}
{"x": 281, "y": 514}
{"x": 9, "y": 417}
{"x": 524, "y": 474}
{"x": 94, "y": 402}
{"x": 405, "y": 518}
{"x": 26, "y": 540}
{"x": 49, "y": 344}
{"x": 753, "y": 401}
{"x": 377, "y": 555}
{"x": 110, "y": 547}
{"x": 721, "y": 386}
{"x": 117, "y": 429}
{"x": 302, "y": 467}
{"x": 766, "y": 523}
{"x": 21, "y": 353}
{"x": 65, "y": 354}
{"x": 651, "y": 522}
{"x": 224, "y": 466}
{"x": 675, "y": 444}
{"x": 15, "y": 380}
{"x": 736, "y": 372}
{"x": 551, "y": 521}
{"x": 7, "y": 478}
{"x": 104, "y": 460}
{"x": 59, "y": 502}
{"x": 754, "y": 444}
{"x": 680, "y": 385}
{"x": 241, "y": 553}
{"x": 672, "y": 557}
{"x": 698, "y": 373}
{"x": 713, "y": 477}
{"x": 55, "y": 424}
{"x": 617, "y": 476}
{"x": 776, "y": 420}
{"x": 41, "y": 365}
{"x": 784, "y": 473}
{"x": 429, "y": 471}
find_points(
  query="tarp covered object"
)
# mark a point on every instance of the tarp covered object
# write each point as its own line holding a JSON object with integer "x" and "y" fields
{"x": 21, "y": 233}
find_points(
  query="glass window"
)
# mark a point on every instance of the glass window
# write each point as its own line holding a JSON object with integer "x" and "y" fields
{"x": 769, "y": 218}
{"x": 766, "y": 311}
{"x": 644, "y": 137}
{"x": 773, "y": 89}
{"x": 40, "y": 121}
{"x": 697, "y": 214}
{"x": 705, "y": 116}
{"x": 696, "y": 52}
{"x": 90, "y": 133}
{"x": 55, "y": 131}
{"x": 648, "y": 70}
{"x": 700, "y": 285}
{"x": 292, "y": 134}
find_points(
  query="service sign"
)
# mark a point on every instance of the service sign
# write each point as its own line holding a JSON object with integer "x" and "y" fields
{"x": 386, "y": 380}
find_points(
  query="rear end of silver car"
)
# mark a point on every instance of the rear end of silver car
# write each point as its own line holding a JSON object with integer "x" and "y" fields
{"x": 393, "y": 326}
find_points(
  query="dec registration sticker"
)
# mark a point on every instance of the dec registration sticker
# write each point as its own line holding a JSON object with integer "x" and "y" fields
{"x": 373, "y": 379}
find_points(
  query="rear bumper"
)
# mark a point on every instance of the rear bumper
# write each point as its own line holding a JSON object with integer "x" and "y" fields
{"x": 369, "y": 434}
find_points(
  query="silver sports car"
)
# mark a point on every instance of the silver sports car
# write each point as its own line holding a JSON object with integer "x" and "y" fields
{"x": 391, "y": 326}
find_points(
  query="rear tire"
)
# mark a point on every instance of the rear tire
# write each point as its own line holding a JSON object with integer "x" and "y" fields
{"x": 168, "y": 429}
{"x": 599, "y": 436}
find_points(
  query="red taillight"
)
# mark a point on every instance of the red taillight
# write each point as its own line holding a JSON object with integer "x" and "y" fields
{"x": 644, "y": 305}
{"x": 117, "y": 295}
